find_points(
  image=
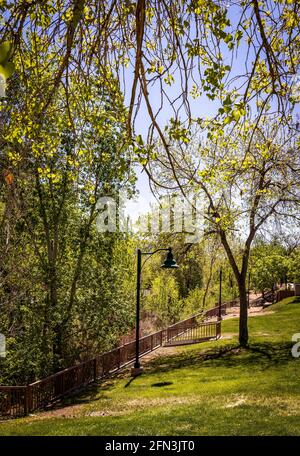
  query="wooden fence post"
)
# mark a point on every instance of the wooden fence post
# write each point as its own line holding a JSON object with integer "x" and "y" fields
{"x": 63, "y": 385}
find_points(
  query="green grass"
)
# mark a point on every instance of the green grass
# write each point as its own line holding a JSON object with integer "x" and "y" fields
{"x": 213, "y": 388}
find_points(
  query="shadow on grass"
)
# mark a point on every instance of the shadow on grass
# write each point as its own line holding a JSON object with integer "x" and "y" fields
{"x": 87, "y": 395}
{"x": 160, "y": 384}
{"x": 257, "y": 356}
{"x": 261, "y": 355}
{"x": 129, "y": 382}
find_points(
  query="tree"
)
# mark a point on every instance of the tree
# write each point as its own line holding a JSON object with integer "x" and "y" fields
{"x": 164, "y": 299}
{"x": 244, "y": 189}
{"x": 54, "y": 171}
{"x": 293, "y": 266}
{"x": 268, "y": 265}
{"x": 181, "y": 51}
{"x": 195, "y": 46}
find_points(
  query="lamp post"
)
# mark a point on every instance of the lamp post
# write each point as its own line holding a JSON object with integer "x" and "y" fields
{"x": 220, "y": 295}
{"x": 169, "y": 263}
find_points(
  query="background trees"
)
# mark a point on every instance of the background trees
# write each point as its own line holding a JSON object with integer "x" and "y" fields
{"x": 202, "y": 92}
{"x": 268, "y": 265}
{"x": 293, "y": 267}
{"x": 63, "y": 295}
{"x": 243, "y": 188}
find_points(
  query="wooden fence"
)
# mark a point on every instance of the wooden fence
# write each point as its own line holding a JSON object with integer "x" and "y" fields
{"x": 18, "y": 401}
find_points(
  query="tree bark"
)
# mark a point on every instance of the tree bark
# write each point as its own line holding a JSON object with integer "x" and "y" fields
{"x": 241, "y": 281}
{"x": 212, "y": 260}
{"x": 243, "y": 323}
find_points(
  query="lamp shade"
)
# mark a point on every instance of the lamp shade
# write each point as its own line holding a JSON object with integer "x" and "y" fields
{"x": 169, "y": 262}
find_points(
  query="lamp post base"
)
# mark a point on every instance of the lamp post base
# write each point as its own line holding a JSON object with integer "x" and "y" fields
{"x": 135, "y": 371}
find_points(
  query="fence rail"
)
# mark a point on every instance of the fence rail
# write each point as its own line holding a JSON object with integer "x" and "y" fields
{"x": 214, "y": 312}
{"x": 193, "y": 333}
{"x": 18, "y": 401}
{"x": 13, "y": 401}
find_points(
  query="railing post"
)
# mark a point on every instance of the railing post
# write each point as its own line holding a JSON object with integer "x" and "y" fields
{"x": 218, "y": 329}
{"x": 26, "y": 400}
{"x": 29, "y": 398}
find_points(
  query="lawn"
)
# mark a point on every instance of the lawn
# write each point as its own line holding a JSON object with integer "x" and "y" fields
{"x": 213, "y": 388}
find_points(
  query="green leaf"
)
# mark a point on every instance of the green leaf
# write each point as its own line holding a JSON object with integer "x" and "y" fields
{"x": 236, "y": 114}
{"x": 7, "y": 70}
{"x": 139, "y": 140}
{"x": 6, "y": 49}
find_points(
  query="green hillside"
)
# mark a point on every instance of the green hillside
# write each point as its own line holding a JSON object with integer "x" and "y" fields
{"x": 207, "y": 389}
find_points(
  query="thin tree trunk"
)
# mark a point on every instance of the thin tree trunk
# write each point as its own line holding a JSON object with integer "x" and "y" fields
{"x": 243, "y": 323}
{"x": 241, "y": 281}
{"x": 212, "y": 260}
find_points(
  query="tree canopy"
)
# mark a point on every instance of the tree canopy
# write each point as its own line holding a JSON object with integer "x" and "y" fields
{"x": 201, "y": 93}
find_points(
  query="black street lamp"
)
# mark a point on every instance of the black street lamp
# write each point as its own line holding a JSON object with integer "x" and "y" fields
{"x": 169, "y": 263}
{"x": 220, "y": 295}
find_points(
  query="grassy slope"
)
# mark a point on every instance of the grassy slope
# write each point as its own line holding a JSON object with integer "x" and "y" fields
{"x": 207, "y": 389}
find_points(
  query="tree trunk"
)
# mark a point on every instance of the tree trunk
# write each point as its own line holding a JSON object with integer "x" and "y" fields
{"x": 212, "y": 260}
{"x": 243, "y": 324}
{"x": 241, "y": 280}
{"x": 54, "y": 309}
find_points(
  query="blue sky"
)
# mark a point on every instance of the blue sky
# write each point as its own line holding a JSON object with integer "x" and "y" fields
{"x": 200, "y": 107}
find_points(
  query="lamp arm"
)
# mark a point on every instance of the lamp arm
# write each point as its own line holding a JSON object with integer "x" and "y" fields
{"x": 157, "y": 250}
{"x": 152, "y": 253}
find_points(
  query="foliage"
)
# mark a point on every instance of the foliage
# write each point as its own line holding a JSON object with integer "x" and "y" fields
{"x": 268, "y": 266}
{"x": 245, "y": 188}
{"x": 164, "y": 300}
{"x": 182, "y": 44}
{"x": 294, "y": 266}
{"x": 63, "y": 295}
{"x": 193, "y": 302}
{"x": 66, "y": 138}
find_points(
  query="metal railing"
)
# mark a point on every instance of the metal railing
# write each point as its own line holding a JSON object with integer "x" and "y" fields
{"x": 214, "y": 311}
{"x": 193, "y": 333}
{"x": 18, "y": 401}
{"x": 13, "y": 401}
